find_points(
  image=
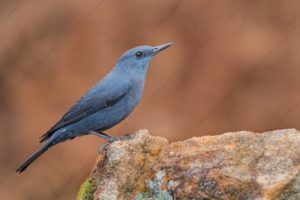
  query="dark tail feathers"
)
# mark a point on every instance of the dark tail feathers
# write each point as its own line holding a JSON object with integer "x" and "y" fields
{"x": 32, "y": 158}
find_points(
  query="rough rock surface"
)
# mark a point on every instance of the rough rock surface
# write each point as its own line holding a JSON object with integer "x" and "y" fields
{"x": 238, "y": 165}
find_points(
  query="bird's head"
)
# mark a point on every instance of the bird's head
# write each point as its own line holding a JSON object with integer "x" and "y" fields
{"x": 136, "y": 60}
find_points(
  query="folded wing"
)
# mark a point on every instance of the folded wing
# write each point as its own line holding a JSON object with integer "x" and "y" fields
{"x": 98, "y": 98}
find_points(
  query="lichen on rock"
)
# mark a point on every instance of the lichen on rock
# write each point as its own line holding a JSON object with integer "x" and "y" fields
{"x": 86, "y": 190}
{"x": 240, "y": 165}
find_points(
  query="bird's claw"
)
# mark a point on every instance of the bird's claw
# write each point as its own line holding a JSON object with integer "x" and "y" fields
{"x": 123, "y": 137}
{"x": 112, "y": 139}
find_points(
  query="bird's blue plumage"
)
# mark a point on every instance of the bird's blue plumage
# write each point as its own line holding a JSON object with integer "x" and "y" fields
{"x": 106, "y": 104}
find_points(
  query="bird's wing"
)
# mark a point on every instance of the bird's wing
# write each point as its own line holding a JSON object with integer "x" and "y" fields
{"x": 96, "y": 99}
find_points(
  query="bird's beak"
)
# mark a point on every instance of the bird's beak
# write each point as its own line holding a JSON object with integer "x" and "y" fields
{"x": 159, "y": 48}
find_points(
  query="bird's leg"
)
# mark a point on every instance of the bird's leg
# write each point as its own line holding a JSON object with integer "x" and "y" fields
{"x": 110, "y": 138}
{"x": 105, "y": 136}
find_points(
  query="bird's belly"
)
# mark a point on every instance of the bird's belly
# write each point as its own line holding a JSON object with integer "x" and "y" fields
{"x": 105, "y": 118}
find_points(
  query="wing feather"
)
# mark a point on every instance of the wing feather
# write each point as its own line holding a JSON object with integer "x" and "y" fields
{"x": 96, "y": 99}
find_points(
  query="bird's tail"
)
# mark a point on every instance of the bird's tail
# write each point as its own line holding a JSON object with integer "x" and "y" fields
{"x": 33, "y": 157}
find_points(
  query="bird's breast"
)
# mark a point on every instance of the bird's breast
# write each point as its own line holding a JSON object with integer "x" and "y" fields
{"x": 133, "y": 98}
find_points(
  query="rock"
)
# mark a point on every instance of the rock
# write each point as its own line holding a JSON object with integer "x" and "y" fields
{"x": 240, "y": 165}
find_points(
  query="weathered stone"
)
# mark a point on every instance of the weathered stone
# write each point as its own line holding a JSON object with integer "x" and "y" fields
{"x": 240, "y": 165}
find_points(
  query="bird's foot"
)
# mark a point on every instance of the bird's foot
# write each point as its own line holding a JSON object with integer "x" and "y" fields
{"x": 110, "y": 138}
{"x": 123, "y": 137}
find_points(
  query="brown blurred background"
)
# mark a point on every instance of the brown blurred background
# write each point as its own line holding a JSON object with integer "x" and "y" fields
{"x": 235, "y": 66}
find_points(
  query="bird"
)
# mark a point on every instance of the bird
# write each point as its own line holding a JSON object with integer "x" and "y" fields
{"x": 105, "y": 105}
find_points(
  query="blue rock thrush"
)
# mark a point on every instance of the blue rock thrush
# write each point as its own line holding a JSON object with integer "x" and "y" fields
{"x": 106, "y": 104}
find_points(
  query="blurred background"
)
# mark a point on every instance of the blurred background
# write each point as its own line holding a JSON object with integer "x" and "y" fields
{"x": 235, "y": 66}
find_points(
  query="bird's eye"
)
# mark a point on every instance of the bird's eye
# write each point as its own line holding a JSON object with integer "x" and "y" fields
{"x": 139, "y": 54}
